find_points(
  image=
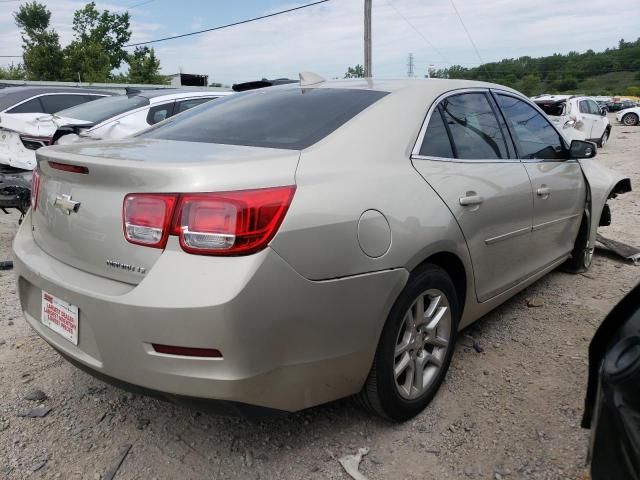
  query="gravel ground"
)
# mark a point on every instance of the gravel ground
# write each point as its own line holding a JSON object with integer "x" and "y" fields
{"x": 512, "y": 411}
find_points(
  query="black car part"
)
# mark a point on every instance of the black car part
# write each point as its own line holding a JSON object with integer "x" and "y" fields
{"x": 612, "y": 406}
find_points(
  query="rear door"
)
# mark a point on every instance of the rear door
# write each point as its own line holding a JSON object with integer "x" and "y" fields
{"x": 558, "y": 184}
{"x": 586, "y": 117}
{"x": 466, "y": 156}
{"x": 599, "y": 123}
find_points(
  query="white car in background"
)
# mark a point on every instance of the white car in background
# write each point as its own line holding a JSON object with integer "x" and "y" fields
{"x": 629, "y": 116}
{"x": 577, "y": 118}
{"x": 107, "y": 118}
{"x": 21, "y": 103}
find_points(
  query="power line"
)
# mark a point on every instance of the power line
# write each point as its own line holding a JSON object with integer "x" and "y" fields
{"x": 10, "y": 56}
{"x": 428, "y": 42}
{"x": 228, "y": 25}
{"x": 471, "y": 39}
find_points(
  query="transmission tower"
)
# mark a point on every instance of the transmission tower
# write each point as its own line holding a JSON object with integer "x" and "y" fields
{"x": 410, "y": 66}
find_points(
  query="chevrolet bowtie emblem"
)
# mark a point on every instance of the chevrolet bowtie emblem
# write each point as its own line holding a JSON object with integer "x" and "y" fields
{"x": 64, "y": 203}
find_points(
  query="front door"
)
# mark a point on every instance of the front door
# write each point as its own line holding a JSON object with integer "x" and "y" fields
{"x": 559, "y": 187}
{"x": 467, "y": 159}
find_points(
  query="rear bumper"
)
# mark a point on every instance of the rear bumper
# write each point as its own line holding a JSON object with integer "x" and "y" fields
{"x": 288, "y": 343}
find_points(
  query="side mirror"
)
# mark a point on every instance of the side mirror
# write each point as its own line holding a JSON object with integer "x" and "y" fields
{"x": 603, "y": 111}
{"x": 582, "y": 149}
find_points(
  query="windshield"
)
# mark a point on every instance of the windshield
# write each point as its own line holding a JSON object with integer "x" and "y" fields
{"x": 292, "y": 118}
{"x": 104, "y": 108}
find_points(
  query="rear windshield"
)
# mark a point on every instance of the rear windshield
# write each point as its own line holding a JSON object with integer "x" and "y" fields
{"x": 289, "y": 119}
{"x": 555, "y": 109}
{"x": 104, "y": 108}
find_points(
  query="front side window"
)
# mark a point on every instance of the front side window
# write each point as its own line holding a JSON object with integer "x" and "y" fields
{"x": 291, "y": 118}
{"x": 533, "y": 134}
{"x": 473, "y": 126}
{"x": 30, "y": 106}
{"x": 436, "y": 141}
{"x": 594, "y": 108}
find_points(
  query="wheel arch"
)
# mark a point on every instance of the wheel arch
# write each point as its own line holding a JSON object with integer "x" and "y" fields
{"x": 453, "y": 265}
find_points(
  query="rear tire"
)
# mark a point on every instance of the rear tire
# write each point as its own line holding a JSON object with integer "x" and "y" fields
{"x": 582, "y": 254}
{"x": 630, "y": 120}
{"x": 415, "y": 348}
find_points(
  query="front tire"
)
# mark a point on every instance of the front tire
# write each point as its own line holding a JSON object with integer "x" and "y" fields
{"x": 630, "y": 120}
{"x": 582, "y": 254}
{"x": 415, "y": 348}
{"x": 604, "y": 139}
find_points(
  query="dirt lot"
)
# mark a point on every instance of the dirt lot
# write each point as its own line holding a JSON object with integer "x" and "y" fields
{"x": 512, "y": 411}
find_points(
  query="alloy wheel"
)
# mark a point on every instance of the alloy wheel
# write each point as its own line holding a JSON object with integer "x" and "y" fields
{"x": 422, "y": 343}
{"x": 630, "y": 120}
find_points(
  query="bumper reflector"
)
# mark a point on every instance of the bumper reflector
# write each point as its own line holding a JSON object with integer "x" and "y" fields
{"x": 187, "y": 351}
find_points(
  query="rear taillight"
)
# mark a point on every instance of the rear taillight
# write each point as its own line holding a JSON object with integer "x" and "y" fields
{"x": 35, "y": 188}
{"x": 224, "y": 223}
{"x": 147, "y": 217}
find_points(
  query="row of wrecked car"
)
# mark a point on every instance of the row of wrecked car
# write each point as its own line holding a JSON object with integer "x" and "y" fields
{"x": 35, "y": 117}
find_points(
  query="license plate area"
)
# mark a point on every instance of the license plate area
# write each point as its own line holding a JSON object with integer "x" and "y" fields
{"x": 60, "y": 316}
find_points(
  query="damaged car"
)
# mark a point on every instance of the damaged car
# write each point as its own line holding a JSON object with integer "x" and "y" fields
{"x": 106, "y": 118}
{"x": 19, "y": 105}
{"x": 289, "y": 246}
{"x": 577, "y": 118}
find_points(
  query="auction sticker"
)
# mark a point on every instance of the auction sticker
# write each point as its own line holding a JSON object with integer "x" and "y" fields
{"x": 60, "y": 316}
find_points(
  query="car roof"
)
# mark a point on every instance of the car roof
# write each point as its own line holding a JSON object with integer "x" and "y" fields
{"x": 552, "y": 98}
{"x": 9, "y": 96}
{"x": 168, "y": 93}
{"x": 433, "y": 86}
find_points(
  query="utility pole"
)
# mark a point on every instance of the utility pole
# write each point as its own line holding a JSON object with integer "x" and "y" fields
{"x": 367, "y": 39}
{"x": 410, "y": 66}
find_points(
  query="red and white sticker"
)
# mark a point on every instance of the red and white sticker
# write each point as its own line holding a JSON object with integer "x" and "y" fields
{"x": 60, "y": 316}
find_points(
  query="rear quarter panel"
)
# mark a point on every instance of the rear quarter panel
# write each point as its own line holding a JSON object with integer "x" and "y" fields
{"x": 365, "y": 165}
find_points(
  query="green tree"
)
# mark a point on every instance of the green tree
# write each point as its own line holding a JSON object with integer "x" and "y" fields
{"x": 144, "y": 67}
{"x": 111, "y": 30}
{"x": 634, "y": 91}
{"x": 530, "y": 85}
{"x": 86, "y": 62}
{"x": 42, "y": 54}
{"x": 13, "y": 72}
{"x": 355, "y": 72}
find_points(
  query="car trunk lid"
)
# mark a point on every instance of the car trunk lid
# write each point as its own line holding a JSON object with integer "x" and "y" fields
{"x": 90, "y": 236}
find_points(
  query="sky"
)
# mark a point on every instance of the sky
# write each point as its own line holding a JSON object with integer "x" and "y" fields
{"x": 328, "y": 38}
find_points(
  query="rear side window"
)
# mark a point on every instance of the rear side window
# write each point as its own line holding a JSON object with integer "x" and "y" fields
{"x": 436, "y": 139}
{"x": 474, "y": 128}
{"x": 184, "y": 105}
{"x": 55, "y": 103}
{"x": 158, "y": 113}
{"x": 291, "y": 118}
{"x": 30, "y": 106}
{"x": 533, "y": 134}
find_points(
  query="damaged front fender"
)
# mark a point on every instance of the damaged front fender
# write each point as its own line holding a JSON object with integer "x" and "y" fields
{"x": 603, "y": 184}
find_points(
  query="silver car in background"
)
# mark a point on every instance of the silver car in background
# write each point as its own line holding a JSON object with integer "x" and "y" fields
{"x": 290, "y": 246}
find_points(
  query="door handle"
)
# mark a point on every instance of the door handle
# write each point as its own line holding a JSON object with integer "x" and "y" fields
{"x": 471, "y": 200}
{"x": 543, "y": 191}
